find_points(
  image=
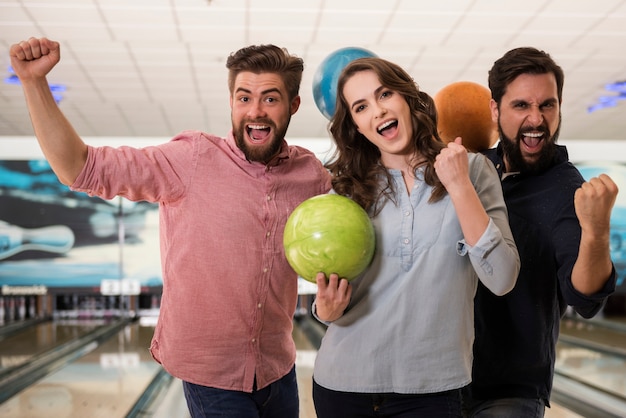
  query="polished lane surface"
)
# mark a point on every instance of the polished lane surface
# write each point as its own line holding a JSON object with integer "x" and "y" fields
{"x": 594, "y": 352}
{"x": 109, "y": 380}
{"x": 104, "y": 383}
{"x": 22, "y": 346}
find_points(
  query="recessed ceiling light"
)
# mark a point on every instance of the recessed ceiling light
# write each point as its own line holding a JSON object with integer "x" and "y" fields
{"x": 56, "y": 89}
{"x": 610, "y": 101}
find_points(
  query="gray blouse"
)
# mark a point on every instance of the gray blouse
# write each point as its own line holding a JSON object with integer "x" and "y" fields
{"x": 409, "y": 327}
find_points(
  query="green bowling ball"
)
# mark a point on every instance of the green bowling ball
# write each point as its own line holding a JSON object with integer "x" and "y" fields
{"x": 329, "y": 233}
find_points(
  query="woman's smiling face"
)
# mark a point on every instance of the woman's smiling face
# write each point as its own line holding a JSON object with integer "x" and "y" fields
{"x": 381, "y": 115}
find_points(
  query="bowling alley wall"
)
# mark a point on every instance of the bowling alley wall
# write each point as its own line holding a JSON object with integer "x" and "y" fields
{"x": 67, "y": 254}
{"x": 61, "y": 249}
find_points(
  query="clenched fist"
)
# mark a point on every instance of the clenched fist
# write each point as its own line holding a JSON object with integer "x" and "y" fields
{"x": 34, "y": 58}
{"x": 594, "y": 202}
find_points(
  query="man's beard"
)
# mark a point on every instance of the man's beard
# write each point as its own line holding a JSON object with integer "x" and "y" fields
{"x": 513, "y": 152}
{"x": 261, "y": 153}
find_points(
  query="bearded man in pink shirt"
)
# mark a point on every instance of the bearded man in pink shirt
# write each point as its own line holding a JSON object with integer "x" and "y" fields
{"x": 229, "y": 294}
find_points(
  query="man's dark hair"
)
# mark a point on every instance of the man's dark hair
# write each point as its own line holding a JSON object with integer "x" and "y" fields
{"x": 518, "y": 61}
{"x": 266, "y": 59}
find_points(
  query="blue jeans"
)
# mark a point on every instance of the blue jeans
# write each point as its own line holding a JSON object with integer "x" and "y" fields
{"x": 505, "y": 407}
{"x": 333, "y": 404}
{"x": 278, "y": 400}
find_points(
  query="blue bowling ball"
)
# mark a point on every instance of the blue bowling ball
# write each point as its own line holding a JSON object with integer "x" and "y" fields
{"x": 327, "y": 75}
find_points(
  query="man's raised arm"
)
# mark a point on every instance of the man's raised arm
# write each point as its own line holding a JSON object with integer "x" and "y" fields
{"x": 32, "y": 60}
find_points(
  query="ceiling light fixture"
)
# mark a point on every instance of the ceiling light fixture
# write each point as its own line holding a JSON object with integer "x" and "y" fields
{"x": 610, "y": 101}
{"x": 57, "y": 90}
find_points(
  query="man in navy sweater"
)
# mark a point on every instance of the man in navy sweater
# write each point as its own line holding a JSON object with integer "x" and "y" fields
{"x": 561, "y": 227}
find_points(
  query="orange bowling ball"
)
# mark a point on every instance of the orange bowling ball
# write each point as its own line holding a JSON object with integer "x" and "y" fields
{"x": 463, "y": 110}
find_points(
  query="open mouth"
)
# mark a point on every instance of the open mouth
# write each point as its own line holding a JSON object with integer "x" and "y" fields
{"x": 388, "y": 128}
{"x": 532, "y": 139}
{"x": 258, "y": 132}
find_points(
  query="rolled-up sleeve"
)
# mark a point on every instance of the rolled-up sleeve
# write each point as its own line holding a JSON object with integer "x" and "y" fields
{"x": 154, "y": 173}
{"x": 494, "y": 257}
{"x": 495, "y": 261}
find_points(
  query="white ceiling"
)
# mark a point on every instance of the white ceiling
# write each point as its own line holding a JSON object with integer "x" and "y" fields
{"x": 151, "y": 68}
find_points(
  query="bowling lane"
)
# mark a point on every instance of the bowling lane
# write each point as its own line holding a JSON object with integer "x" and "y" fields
{"x": 20, "y": 347}
{"x": 104, "y": 383}
{"x": 108, "y": 381}
{"x": 594, "y": 352}
{"x": 305, "y": 357}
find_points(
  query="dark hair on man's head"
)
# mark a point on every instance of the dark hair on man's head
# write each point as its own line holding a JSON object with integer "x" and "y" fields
{"x": 518, "y": 61}
{"x": 266, "y": 59}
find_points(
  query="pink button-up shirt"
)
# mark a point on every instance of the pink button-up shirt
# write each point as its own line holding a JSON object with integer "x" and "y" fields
{"x": 228, "y": 292}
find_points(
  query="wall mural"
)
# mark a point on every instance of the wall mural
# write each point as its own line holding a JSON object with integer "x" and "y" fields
{"x": 60, "y": 240}
{"x": 55, "y": 240}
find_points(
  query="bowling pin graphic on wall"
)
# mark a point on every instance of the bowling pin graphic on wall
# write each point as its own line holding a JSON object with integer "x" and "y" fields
{"x": 54, "y": 239}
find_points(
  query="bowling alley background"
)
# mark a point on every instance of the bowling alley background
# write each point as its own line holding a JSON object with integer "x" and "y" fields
{"x": 66, "y": 254}
{"x": 82, "y": 254}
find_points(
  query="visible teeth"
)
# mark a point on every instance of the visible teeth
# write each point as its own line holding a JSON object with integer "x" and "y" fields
{"x": 533, "y": 134}
{"x": 257, "y": 126}
{"x": 384, "y": 125}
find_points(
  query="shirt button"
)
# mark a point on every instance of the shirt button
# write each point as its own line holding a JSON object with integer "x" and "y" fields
{"x": 259, "y": 305}
{"x": 254, "y": 340}
{"x": 407, "y": 213}
{"x": 265, "y": 270}
{"x": 269, "y": 197}
{"x": 268, "y": 233}
{"x": 406, "y": 240}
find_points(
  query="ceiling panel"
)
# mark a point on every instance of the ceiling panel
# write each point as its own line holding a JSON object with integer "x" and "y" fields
{"x": 155, "y": 67}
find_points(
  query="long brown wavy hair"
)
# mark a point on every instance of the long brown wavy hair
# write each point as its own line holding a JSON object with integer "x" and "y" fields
{"x": 355, "y": 164}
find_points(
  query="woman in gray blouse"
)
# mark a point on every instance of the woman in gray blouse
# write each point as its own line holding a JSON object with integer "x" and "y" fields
{"x": 399, "y": 338}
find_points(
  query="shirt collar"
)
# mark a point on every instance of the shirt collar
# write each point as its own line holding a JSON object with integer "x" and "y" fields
{"x": 283, "y": 153}
{"x": 561, "y": 156}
